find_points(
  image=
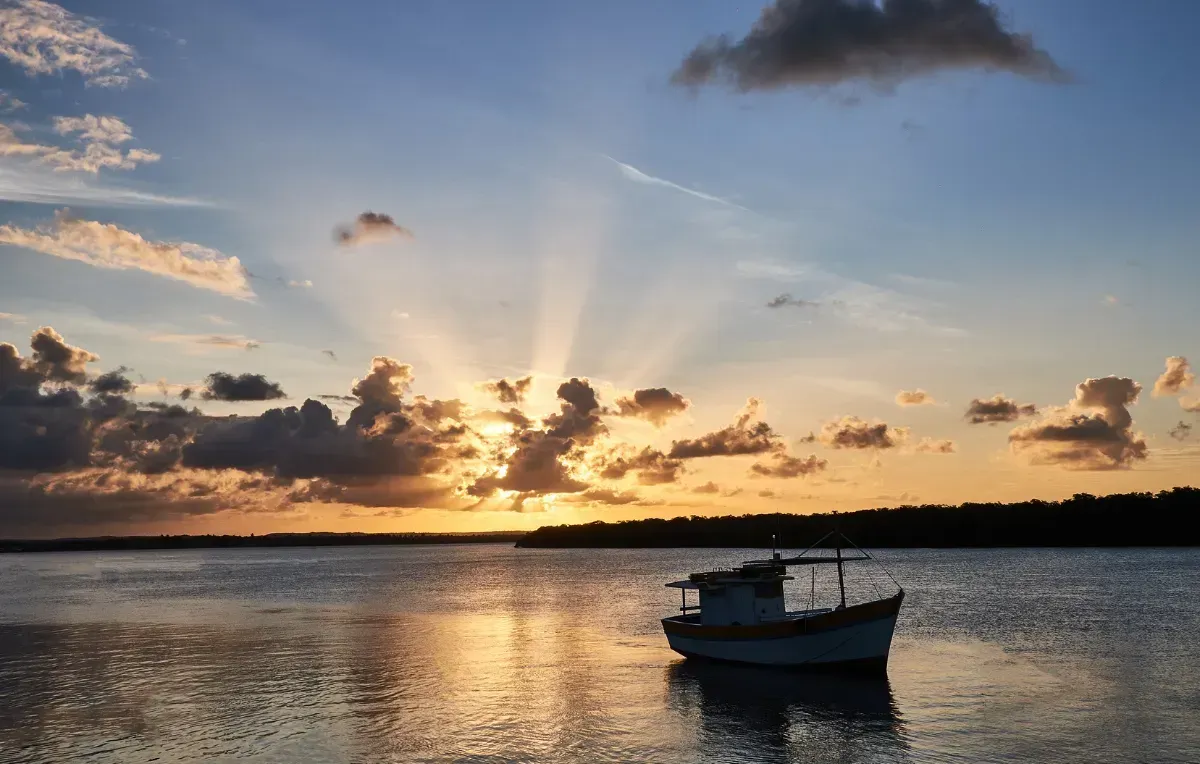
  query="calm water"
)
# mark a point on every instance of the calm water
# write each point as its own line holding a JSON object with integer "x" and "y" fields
{"x": 488, "y": 653}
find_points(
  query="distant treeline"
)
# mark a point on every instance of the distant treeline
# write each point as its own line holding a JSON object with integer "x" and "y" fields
{"x": 1166, "y": 518}
{"x": 267, "y": 540}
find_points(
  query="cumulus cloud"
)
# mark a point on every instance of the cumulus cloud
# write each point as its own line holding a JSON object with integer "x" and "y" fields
{"x": 370, "y": 227}
{"x": 806, "y": 43}
{"x": 1178, "y": 379}
{"x": 1181, "y": 431}
{"x": 651, "y": 466}
{"x": 108, "y": 246}
{"x": 220, "y": 386}
{"x": 932, "y": 446}
{"x": 1093, "y": 432}
{"x": 579, "y": 413}
{"x": 996, "y": 409}
{"x": 709, "y": 487}
{"x": 508, "y": 392}
{"x": 855, "y": 433}
{"x": 916, "y": 397}
{"x": 786, "y": 300}
{"x": 112, "y": 382}
{"x": 747, "y": 435}
{"x": 784, "y": 466}
{"x": 654, "y": 404}
{"x": 43, "y": 38}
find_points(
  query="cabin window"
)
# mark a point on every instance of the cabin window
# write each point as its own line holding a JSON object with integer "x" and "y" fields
{"x": 772, "y": 589}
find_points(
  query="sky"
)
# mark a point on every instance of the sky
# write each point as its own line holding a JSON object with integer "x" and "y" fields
{"x": 725, "y": 258}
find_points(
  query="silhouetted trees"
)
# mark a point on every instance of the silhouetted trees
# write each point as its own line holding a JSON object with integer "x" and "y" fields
{"x": 267, "y": 540}
{"x": 1166, "y": 518}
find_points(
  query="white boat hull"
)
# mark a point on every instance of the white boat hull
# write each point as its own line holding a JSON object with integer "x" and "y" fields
{"x": 859, "y": 639}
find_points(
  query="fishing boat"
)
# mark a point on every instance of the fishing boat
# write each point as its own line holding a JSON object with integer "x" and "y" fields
{"x": 742, "y": 617}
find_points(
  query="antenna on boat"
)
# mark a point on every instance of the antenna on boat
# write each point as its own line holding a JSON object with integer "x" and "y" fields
{"x": 841, "y": 577}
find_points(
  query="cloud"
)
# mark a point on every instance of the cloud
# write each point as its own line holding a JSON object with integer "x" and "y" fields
{"x": 113, "y": 382}
{"x": 1181, "y": 431}
{"x": 55, "y": 361}
{"x": 43, "y": 38}
{"x": 916, "y": 397}
{"x": 332, "y": 355}
{"x": 385, "y": 384}
{"x": 931, "y": 446}
{"x": 107, "y": 246}
{"x": 579, "y": 413}
{"x": 370, "y": 227}
{"x": 97, "y": 139}
{"x": 740, "y": 438}
{"x": 1093, "y": 432}
{"x": 820, "y": 43}
{"x": 654, "y": 404}
{"x": 220, "y": 386}
{"x": 508, "y": 392}
{"x": 637, "y": 176}
{"x": 709, "y": 487}
{"x": 652, "y": 466}
{"x": 997, "y": 409}
{"x": 214, "y": 340}
{"x": 38, "y": 184}
{"x": 855, "y": 433}
{"x": 1177, "y": 380}
{"x": 786, "y": 299}
{"x": 785, "y": 466}
{"x": 10, "y": 103}
{"x": 15, "y": 318}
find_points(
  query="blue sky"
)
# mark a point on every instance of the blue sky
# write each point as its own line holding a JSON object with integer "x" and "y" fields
{"x": 977, "y": 232}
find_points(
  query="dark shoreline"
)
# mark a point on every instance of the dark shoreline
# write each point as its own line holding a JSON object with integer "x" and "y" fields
{"x": 1163, "y": 519}
{"x": 265, "y": 541}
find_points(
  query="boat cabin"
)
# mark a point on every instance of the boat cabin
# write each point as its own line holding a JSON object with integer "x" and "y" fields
{"x": 750, "y": 594}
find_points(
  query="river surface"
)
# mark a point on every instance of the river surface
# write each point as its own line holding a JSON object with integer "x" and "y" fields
{"x": 486, "y": 653}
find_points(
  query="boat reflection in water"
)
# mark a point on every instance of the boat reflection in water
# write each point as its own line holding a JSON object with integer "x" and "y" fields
{"x": 762, "y": 714}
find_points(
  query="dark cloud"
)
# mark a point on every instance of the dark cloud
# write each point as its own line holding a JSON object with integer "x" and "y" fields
{"x": 932, "y": 446}
{"x": 332, "y": 355}
{"x": 112, "y": 382}
{"x": 997, "y": 409}
{"x": 709, "y": 487}
{"x": 508, "y": 392}
{"x": 768, "y": 494}
{"x": 16, "y": 371}
{"x": 579, "y": 417}
{"x": 739, "y": 438}
{"x": 1181, "y": 431}
{"x": 536, "y": 467}
{"x": 916, "y": 397}
{"x": 220, "y": 386}
{"x": 186, "y": 393}
{"x": 804, "y": 43}
{"x": 370, "y": 227}
{"x": 43, "y": 431}
{"x": 387, "y": 381}
{"x": 784, "y": 466}
{"x": 655, "y": 404}
{"x": 56, "y": 361}
{"x": 786, "y": 300}
{"x": 1094, "y": 431}
{"x": 652, "y": 466}
{"x": 853, "y": 432}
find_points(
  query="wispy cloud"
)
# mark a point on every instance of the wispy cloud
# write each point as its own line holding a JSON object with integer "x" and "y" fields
{"x": 234, "y": 341}
{"x": 108, "y": 246}
{"x": 33, "y": 184}
{"x": 637, "y": 176}
{"x": 860, "y": 303}
{"x": 44, "y": 38}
